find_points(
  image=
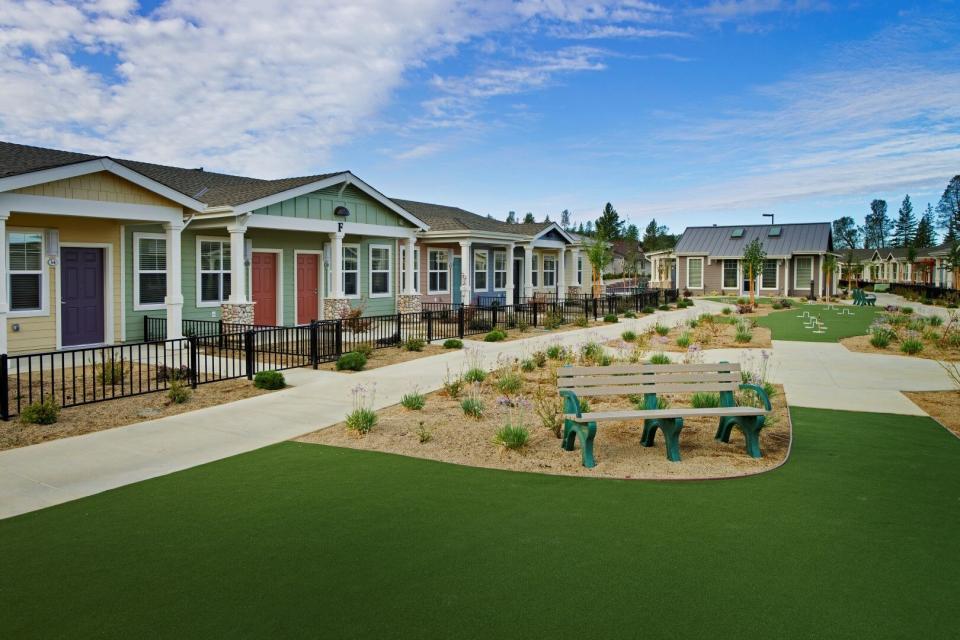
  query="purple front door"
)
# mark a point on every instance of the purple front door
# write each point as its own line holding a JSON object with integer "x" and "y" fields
{"x": 81, "y": 295}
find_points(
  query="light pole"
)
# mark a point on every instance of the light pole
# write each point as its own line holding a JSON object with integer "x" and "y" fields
{"x": 768, "y": 215}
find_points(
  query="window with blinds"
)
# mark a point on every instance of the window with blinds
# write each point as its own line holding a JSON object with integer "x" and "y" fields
{"x": 151, "y": 269}
{"x": 25, "y": 254}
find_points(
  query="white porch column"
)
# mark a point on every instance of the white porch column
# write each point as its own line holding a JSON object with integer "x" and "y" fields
{"x": 528, "y": 270}
{"x": 820, "y": 276}
{"x": 936, "y": 272}
{"x": 336, "y": 264}
{"x": 238, "y": 269}
{"x": 466, "y": 272}
{"x": 574, "y": 261}
{"x": 561, "y": 274}
{"x": 174, "y": 298}
{"x": 786, "y": 277}
{"x": 508, "y": 296}
{"x": 408, "y": 267}
{"x": 4, "y": 304}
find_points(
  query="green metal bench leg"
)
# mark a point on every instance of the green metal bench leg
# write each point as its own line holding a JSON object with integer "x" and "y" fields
{"x": 671, "y": 434}
{"x": 750, "y": 426}
{"x": 586, "y": 432}
{"x": 724, "y": 429}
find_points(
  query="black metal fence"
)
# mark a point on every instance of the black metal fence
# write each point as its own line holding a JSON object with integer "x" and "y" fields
{"x": 927, "y": 292}
{"x": 212, "y": 350}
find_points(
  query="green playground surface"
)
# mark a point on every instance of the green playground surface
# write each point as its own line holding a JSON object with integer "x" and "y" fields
{"x": 786, "y": 325}
{"x": 854, "y": 537}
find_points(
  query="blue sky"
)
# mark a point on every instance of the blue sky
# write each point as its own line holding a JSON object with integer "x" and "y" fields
{"x": 692, "y": 112}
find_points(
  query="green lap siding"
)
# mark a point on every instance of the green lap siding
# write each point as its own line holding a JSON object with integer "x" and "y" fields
{"x": 320, "y": 205}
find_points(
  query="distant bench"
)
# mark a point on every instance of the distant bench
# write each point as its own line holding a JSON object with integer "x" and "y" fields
{"x": 649, "y": 380}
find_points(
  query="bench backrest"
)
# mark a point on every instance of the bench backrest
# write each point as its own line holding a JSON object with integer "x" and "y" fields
{"x": 629, "y": 379}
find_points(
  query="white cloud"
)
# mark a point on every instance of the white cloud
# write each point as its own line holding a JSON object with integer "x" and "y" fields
{"x": 597, "y": 32}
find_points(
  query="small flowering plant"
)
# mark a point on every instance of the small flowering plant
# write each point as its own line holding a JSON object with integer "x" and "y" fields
{"x": 363, "y": 418}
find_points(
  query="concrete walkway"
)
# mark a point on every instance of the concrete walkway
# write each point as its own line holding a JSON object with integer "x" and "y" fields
{"x": 818, "y": 375}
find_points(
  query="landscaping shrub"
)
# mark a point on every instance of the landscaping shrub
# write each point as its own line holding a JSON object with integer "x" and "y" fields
{"x": 46, "y": 412}
{"x": 702, "y": 400}
{"x": 166, "y": 374}
{"x": 423, "y": 433}
{"x": 684, "y": 340}
{"x": 605, "y": 360}
{"x": 744, "y": 333}
{"x": 744, "y": 308}
{"x": 528, "y": 365}
{"x": 786, "y": 303}
{"x": 552, "y": 321}
{"x": 452, "y": 386}
{"x": 591, "y": 352}
{"x": 178, "y": 393}
{"x": 777, "y": 306}
{"x": 628, "y": 336}
{"x": 495, "y": 336}
{"x": 361, "y": 420}
{"x": 727, "y": 311}
{"x": 549, "y": 408}
{"x": 111, "y": 372}
{"x": 413, "y": 400}
{"x": 353, "y": 361}
{"x": 475, "y": 374}
{"x": 584, "y": 405}
{"x": 661, "y": 329}
{"x": 453, "y": 343}
{"x": 479, "y": 324}
{"x": 935, "y": 321}
{"x": 664, "y": 307}
{"x": 880, "y": 337}
{"x": 509, "y": 383}
{"x": 555, "y": 352}
{"x": 364, "y": 348}
{"x": 511, "y": 436}
{"x": 911, "y": 346}
{"x": 630, "y": 314}
{"x": 742, "y": 300}
{"x": 540, "y": 358}
{"x": 581, "y": 322}
{"x": 522, "y": 325}
{"x": 931, "y": 335}
{"x": 611, "y": 318}
{"x": 414, "y": 344}
{"x": 693, "y": 323}
{"x": 659, "y": 358}
{"x": 906, "y": 310}
{"x": 269, "y": 380}
{"x": 648, "y": 310}
{"x": 472, "y": 407}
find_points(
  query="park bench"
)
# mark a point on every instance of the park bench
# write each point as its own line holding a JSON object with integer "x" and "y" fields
{"x": 647, "y": 381}
{"x": 860, "y": 298}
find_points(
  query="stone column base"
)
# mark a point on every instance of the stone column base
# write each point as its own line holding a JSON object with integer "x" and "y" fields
{"x": 237, "y": 313}
{"x": 409, "y": 304}
{"x": 335, "y": 308}
{"x": 573, "y": 290}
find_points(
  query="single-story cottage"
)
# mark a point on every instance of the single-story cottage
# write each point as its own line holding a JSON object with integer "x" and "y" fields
{"x": 929, "y": 265}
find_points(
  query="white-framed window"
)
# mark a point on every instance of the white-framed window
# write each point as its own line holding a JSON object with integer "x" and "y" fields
{"x": 802, "y": 272}
{"x": 894, "y": 269}
{"x": 499, "y": 270}
{"x": 549, "y": 271}
{"x": 535, "y": 269}
{"x": 27, "y": 277}
{"x": 380, "y": 271}
{"x": 149, "y": 271}
{"x": 694, "y": 273}
{"x": 579, "y": 270}
{"x": 730, "y": 270}
{"x": 769, "y": 278}
{"x": 350, "y": 270}
{"x": 403, "y": 269}
{"x": 213, "y": 256}
{"x": 480, "y": 270}
{"x": 438, "y": 271}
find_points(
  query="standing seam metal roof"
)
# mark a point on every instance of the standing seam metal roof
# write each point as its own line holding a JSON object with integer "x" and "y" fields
{"x": 812, "y": 237}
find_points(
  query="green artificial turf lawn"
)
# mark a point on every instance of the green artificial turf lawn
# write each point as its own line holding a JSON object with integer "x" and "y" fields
{"x": 785, "y": 325}
{"x": 855, "y": 537}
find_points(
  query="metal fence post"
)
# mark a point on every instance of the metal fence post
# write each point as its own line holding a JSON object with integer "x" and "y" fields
{"x": 314, "y": 343}
{"x": 146, "y": 330}
{"x": 248, "y": 351}
{"x": 338, "y": 339}
{"x": 220, "y": 333}
{"x": 493, "y": 313}
{"x": 429, "y": 326}
{"x": 594, "y": 302}
{"x": 535, "y": 309}
{"x": 4, "y": 387}
{"x": 194, "y": 364}
{"x": 460, "y": 326}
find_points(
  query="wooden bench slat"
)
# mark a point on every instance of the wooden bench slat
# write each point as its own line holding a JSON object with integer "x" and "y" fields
{"x": 629, "y": 389}
{"x": 593, "y": 381}
{"x": 599, "y": 416}
{"x": 566, "y": 372}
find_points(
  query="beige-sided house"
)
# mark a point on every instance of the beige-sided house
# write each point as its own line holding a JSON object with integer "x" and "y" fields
{"x": 708, "y": 260}
{"x": 928, "y": 266}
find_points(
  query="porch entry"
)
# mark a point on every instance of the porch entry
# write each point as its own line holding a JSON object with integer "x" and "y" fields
{"x": 263, "y": 277}
{"x": 308, "y": 287}
{"x": 81, "y": 296}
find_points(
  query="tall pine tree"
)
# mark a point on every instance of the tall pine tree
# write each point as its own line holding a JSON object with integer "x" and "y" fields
{"x": 846, "y": 234}
{"x": 528, "y": 218}
{"x": 906, "y": 226}
{"x": 876, "y": 227}
{"x": 948, "y": 211}
{"x": 609, "y": 225}
{"x": 926, "y": 236}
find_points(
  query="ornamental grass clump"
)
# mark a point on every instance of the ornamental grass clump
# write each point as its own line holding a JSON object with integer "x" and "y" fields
{"x": 475, "y": 375}
{"x": 648, "y": 310}
{"x": 630, "y": 314}
{"x": 880, "y": 337}
{"x": 509, "y": 383}
{"x": 659, "y": 358}
{"x": 527, "y": 365}
{"x": 581, "y": 322}
{"x": 628, "y": 336}
{"x": 611, "y": 318}
{"x": 683, "y": 340}
{"x": 178, "y": 393}
{"x": 414, "y": 401}
{"x": 664, "y": 307}
{"x": 362, "y": 418}
{"x": 514, "y": 433}
{"x": 934, "y": 321}
{"x": 472, "y": 405}
{"x": 453, "y": 343}
{"x": 495, "y": 336}
{"x": 744, "y": 333}
{"x": 591, "y": 352}
{"x": 911, "y": 345}
{"x": 452, "y": 385}
{"x": 661, "y": 329}
{"x": 556, "y": 352}
{"x": 352, "y": 361}
{"x": 703, "y": 400}
{"x": 414, "y": 344}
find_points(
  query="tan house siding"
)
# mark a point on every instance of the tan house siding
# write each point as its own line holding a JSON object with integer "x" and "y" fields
{"x": 102, "y": 186}
{"x": 713, "y": 276}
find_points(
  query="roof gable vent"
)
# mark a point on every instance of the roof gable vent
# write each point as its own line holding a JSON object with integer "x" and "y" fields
{"x": 736, "y": 233}
{"x": 774, "y": 232}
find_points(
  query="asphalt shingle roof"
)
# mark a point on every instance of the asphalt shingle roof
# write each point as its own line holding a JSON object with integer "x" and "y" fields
{"x": 445, "y": 218}
{"x": 793, "y": 238}
{"x": 211, "y": 188}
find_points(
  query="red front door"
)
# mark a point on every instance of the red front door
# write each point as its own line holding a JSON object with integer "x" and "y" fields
{"x": 308, "y": 288}
{"x": 264, "y": 278}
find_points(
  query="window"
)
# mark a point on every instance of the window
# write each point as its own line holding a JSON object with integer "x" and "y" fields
{"x": 802, "y": 272}
{"x": 579, "y": 270}
{"x": 736, "y": 233}
{"x": 350, "y": 271}
{"x": 150, "y": 270}
{"x": 380, "y": 268}
{"x": 774, "y": 232}
{"x": 25, "y": 263}
{"x": 438, "y": 271}
{"x": 536, "y": 270}
{"x": 694, "y": 273}
{"x": 403, "y": 270}
{"x": 729, "y": 274}
{"x": 500, "y": 270}
{"x": 549, "y": 271}
{"x": 214, "y": 271}
{"x": 480, "y": 270}
{"x": 768, "y": 279}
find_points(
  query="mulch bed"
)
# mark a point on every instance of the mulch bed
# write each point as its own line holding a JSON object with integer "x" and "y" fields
{"x": 943, "y": 406}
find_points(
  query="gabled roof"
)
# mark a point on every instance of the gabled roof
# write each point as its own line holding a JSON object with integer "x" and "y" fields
{"x": 446, "y": 218}
{"x": 898, "y": 253}
{"x": 730, "y": 241}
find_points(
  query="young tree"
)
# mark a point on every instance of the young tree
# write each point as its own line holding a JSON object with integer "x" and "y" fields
{"x": 528, "y": 219}
{"x": 953, "y": 261}
{"x": 632, "y": 252}
{"x": 926, "y": 236}
{"x": 565, "y": 219}
{"x": 599, "y": 254}
{"x": 512, "y": 217}
{"x": 657, "y": 236}
{"x": 753, "y": 257}
{"x": 948, "y": 210}
{"x": 911, "y": 258}
{"x": 846, "y": 235}
{"x": 876, "y": 227}
{"x": 905, "y": 228}
{"x": 829, "y": 268}
{"x": 853, "y": 269}
{"x": 609, "y": 224}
